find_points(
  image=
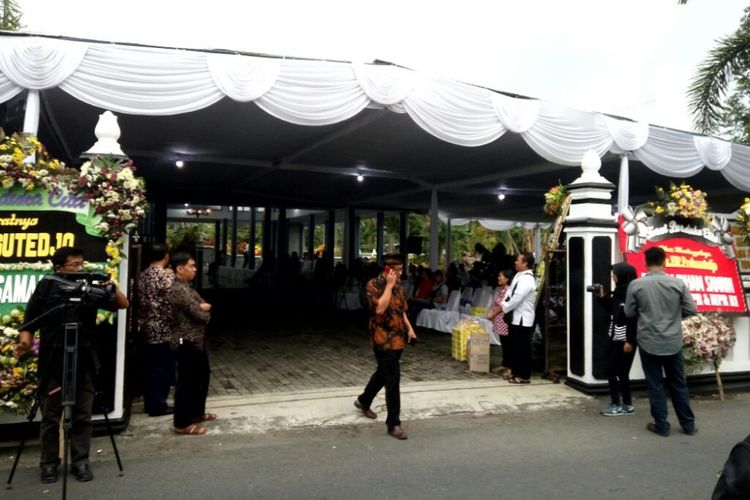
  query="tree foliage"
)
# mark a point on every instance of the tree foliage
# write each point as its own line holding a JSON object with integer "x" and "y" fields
{"x": 11, "y": 16}
{"x": 727, "y": 63}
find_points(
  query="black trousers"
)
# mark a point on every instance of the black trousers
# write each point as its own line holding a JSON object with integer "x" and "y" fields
{"x": 158, "y": 376}
{"x": 388, "y": 375}
{"x": 520, "y": 343}
{"x": 191, "y": 390}
{"x": 505, "y": 342}
{"x": 617, "y": 370}
{"x": 80, "y": 432}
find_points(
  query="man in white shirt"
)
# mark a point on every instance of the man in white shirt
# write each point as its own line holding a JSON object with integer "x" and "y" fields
{"x": 520, "y": 304}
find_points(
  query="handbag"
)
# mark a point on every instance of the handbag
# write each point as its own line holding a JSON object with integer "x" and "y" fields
{"x": 508, "y": 317}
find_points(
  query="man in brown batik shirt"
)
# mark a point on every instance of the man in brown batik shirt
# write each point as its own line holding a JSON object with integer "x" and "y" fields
{"x": 389, "y": 330}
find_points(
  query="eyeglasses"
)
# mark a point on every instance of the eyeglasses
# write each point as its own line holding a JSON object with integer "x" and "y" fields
{"x": 77, "y": 264}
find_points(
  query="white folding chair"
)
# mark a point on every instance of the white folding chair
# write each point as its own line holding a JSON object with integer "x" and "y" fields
{"x": 441, "y": 320}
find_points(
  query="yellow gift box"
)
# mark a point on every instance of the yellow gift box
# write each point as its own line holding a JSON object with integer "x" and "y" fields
{"x": 460, "y": 336}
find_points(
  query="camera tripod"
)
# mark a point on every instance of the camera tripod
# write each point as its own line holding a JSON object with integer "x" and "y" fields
{"x": 68, "y": 387}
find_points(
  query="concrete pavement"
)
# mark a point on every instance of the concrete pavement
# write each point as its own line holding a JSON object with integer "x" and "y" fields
{"x": 334, "y": 406}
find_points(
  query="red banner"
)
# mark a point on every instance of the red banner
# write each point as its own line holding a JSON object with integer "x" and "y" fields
{"x": 712, "y": 278}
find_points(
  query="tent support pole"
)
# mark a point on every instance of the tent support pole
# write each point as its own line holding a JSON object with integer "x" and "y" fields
{"x": 251, "y": 236}
{"x": 235, "y": 217}
{"x": 434, "y": 231}
{"x": 448, "y": 242}
{"x": 403, "y": 236}
{"x": 623, "y": 186}
{"x": 31, "y": 117}
{"x": 380, "y": 237}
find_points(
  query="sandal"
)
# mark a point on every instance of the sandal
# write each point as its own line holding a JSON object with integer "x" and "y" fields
{"x": 508, "y": 376}
{"x": 206, "y": 417}
{"x": 516, "y": 380}
{"x": 191, "y": 430}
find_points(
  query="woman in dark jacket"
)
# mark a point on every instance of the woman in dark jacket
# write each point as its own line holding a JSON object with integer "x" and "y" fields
{"x": 622, "y": 342}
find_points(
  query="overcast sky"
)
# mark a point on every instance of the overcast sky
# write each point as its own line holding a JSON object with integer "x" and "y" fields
{"x": 632, "y": 58}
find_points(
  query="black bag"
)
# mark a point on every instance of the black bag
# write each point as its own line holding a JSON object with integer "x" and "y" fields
{"x": 508, "y": 318}
{"x": 734, "y": 478}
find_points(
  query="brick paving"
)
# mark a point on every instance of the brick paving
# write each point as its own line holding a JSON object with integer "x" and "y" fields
{"x": 274, "y": 351}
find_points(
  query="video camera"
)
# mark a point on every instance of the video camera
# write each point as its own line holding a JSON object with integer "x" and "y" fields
{"x": 91, "y": 288}
{"x": 594, "y": 288}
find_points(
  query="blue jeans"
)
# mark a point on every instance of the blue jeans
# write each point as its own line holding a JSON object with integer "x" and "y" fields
{"x": 674, "y": 373}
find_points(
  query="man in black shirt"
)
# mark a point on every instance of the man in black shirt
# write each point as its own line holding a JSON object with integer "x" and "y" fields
{"x": 49, "y": 299}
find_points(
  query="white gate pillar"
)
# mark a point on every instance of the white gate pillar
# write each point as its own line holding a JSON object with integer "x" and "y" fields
{"x": 590, "y": 234}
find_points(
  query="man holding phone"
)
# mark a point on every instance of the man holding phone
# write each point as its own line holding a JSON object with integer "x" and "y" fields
{"x": 389, "y": 331}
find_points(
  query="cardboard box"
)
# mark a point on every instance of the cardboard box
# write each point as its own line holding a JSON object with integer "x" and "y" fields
{"x": 479, "y": 352}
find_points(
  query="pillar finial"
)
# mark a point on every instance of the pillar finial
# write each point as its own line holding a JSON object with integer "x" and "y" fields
{"x": 590, "y": 165}
{"x": 107, "y": 132}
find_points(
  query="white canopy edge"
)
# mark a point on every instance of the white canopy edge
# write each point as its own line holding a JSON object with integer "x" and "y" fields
{"x": 159, "y": 81}
{"x": 494, "y": 224}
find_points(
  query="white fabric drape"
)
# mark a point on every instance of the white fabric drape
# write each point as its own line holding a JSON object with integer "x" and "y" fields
{"x": 736, "y": 171}
{"x": 454, "y": 112}
{"x": 494, "y": 224}
{"x": 670, "y": 153}
{"x": 33, "y": 65}
{"x": 714, "y": 153}
{"x": 243, "y": 78}
{"x": 158, "y": 81}
{"x": 518, "y": 115}
{"x": 386, "y": 85}
{"x": 314, "y": 93}
{"x": 563, "y": 136}
{"x": 627, "y": 135}
{"x": 140, "y": 80}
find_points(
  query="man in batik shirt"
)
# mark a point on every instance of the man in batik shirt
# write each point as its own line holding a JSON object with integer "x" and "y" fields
{"x": 389, "y": 330}
{"x": 154, "y": 319}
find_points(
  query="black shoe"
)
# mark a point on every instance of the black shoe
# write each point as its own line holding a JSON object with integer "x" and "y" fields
{"x": 49, "y": 473}
{"x": 691, "y": 432}
{"x": 169, "y": 410}
{"x": 82, "y": 472}
{"x": 652, "y": 427}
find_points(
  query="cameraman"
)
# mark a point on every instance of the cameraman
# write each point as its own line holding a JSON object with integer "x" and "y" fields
{"x": 48, "y": 297}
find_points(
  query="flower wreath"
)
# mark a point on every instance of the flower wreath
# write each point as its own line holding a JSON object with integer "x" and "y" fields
{"x": 682, "y": 201}
{"x": 108, "y": 184}
{"x": 554, "y": 199}
{"x": 18, "y": 377}
{"x": 743, "y": 217}
{"x": 114, "y": 193}
{"x": 707, "y": 340}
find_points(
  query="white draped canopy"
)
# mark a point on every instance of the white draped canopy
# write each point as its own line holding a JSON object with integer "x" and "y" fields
{"x": 157, "y": 81}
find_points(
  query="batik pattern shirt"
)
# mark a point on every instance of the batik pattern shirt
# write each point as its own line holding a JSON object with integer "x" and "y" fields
{"x": 388, "y": 331}
{"x": 189, "y": 321}
{"x": 154, "y": 308}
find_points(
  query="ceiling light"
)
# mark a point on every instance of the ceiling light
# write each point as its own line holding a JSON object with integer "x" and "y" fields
{"x": 501, "y": 196}
{"x": 360, "y": 177}
{"x": 198, "y": 212}
{"x": 179, "y": 164}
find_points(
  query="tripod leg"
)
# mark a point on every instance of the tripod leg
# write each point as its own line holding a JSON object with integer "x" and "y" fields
{"x": 19, "y": 451}
{"x": 112, "y": 439}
